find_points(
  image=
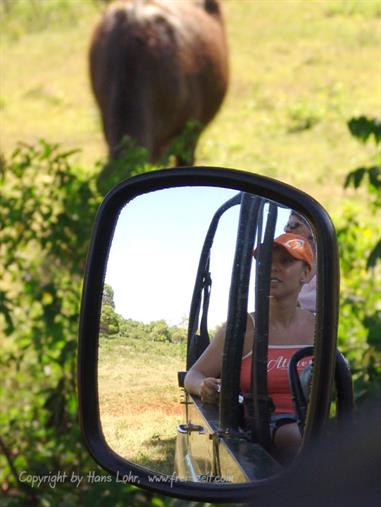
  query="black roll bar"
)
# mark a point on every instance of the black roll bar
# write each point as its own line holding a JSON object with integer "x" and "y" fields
{"x": 196, "y": 344}
{"x": 250, "y": 228}
{"x": 262, "y": 405}
{"x": 237, "y": 313}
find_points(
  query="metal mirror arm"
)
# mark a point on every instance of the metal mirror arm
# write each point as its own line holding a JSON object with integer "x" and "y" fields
{"x": 261, "y": 404}
{"x": 229, "y": 416}
{"x": 202, "y": 285}
{"x": 344, "y": 390}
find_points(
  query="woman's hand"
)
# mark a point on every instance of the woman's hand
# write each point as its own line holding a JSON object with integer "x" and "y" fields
{"x": 210, "y": 389}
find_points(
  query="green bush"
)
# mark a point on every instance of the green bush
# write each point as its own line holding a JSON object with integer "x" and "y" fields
{"x": 47, "y": 206}
{"x": 359, "y": 241}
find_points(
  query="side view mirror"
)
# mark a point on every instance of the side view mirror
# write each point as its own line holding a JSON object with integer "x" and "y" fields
{"x": 175, "y": 255}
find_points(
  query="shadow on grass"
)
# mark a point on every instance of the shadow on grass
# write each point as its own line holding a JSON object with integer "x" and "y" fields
{"x": 164, "y": 448}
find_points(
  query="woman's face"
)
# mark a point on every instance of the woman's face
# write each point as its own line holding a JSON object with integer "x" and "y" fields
{"x": 287, "y": 273}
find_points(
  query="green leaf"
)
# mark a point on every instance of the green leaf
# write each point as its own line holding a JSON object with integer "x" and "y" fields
{"x": 374, "y": 174}
{"x": 373, "y": 324}
{"x": 374, "y": 256}
{"x": 363, "y": 128}
{"x": 354, "y": 178}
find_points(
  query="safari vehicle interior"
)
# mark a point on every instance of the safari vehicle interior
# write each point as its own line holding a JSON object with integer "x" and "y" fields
{"x": 231, "y": 442}
{"x": 219, "y": 455}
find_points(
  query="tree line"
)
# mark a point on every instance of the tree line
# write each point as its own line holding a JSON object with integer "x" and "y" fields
{"x": 113, "y": 324}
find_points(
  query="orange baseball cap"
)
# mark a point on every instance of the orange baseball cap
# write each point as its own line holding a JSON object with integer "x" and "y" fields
{"x": 296, "y": 245}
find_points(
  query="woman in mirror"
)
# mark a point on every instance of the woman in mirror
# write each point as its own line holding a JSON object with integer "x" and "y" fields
{"x": 290, "y": 329}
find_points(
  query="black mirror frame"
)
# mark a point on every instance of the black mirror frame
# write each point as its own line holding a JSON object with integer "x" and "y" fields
{"x": 327, "y": 308}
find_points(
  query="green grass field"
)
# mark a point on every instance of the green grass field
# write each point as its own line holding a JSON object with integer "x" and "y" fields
{"x": 299, "y": 70}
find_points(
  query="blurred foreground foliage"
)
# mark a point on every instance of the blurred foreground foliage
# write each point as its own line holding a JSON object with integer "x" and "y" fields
{"x": 47, "y": 207}
{"x": 359, "y": 241}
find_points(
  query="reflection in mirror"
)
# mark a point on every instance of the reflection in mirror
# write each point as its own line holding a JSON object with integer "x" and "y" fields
{"x": 150, "y": 284}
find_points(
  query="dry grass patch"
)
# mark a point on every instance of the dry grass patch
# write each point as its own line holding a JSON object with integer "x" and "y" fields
{"x": 140, "y": 399}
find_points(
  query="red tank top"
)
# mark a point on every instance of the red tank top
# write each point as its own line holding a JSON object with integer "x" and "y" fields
{"x": 277, "y": 367}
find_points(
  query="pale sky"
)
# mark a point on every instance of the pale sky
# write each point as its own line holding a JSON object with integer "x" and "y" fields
{"x": 156, "y": 248}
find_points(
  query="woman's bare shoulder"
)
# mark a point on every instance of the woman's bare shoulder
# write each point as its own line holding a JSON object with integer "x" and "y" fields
{"x": 306, "y": 316}
{"x": 307, "y": 324}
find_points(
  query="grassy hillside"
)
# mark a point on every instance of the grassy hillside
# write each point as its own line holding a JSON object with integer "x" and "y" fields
{"x": 299, "y": 70}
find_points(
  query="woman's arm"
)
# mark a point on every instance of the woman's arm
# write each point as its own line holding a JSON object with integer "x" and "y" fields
{"x": 203, "y": 377}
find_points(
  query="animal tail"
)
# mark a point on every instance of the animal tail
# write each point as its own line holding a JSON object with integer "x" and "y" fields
{"x": 123, "y": 112}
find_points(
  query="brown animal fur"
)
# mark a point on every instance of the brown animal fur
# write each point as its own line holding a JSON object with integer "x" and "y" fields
{"x": 155, "y": 65}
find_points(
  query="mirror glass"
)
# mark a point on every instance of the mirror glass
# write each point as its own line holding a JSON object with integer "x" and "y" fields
{"x": 146, "y": 417}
